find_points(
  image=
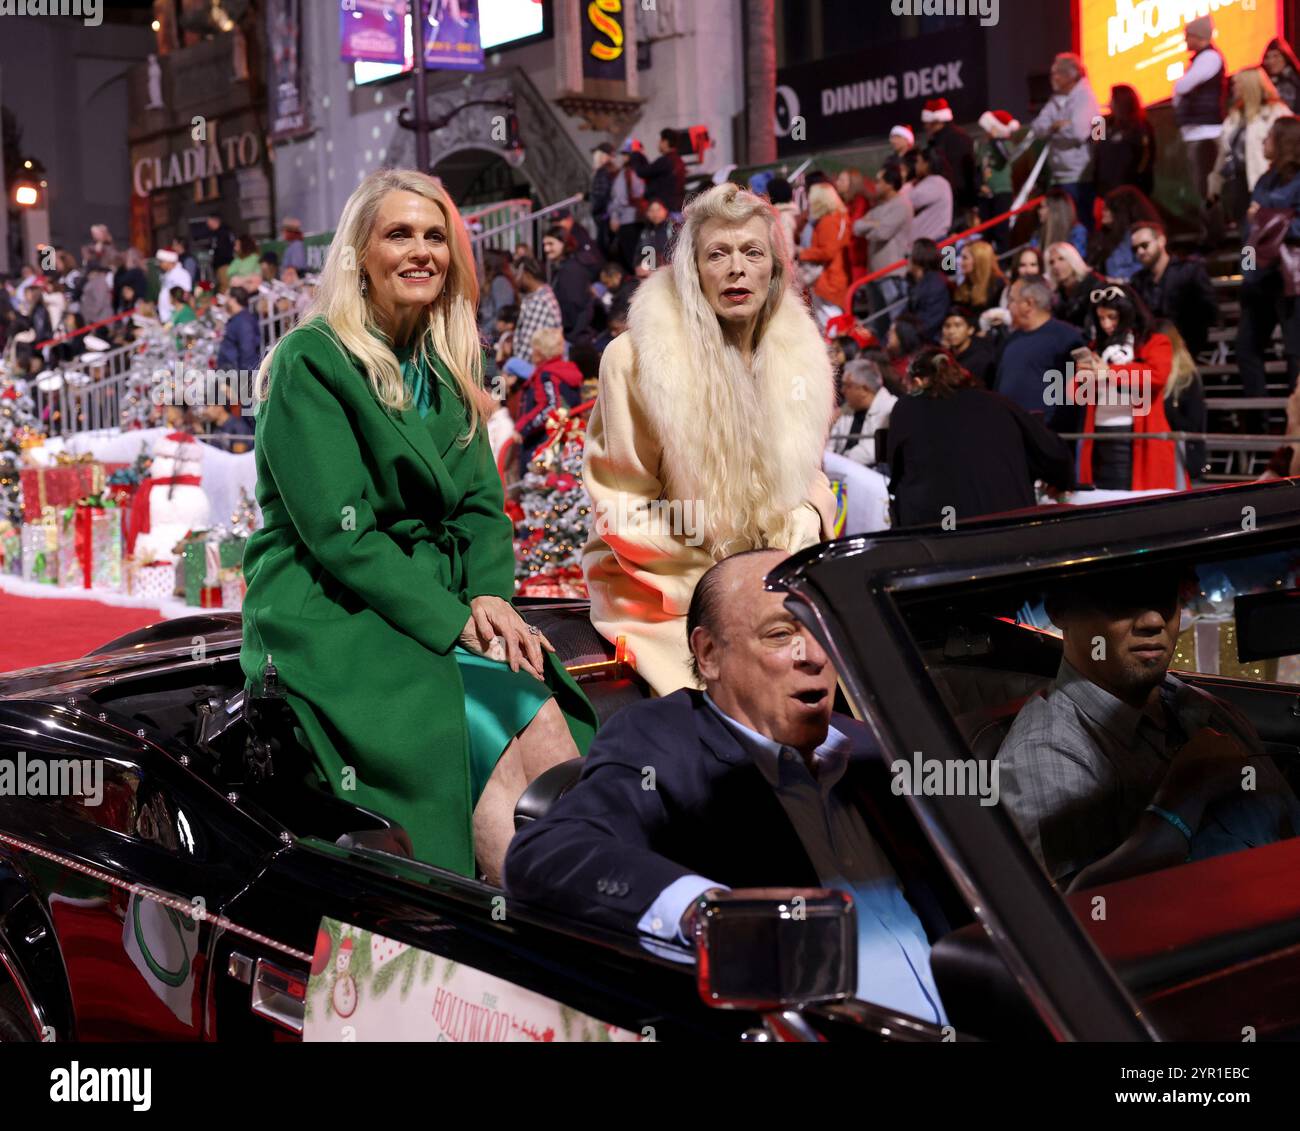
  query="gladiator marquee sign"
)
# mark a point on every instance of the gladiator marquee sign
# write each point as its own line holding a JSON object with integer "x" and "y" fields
{"x": 149, "y": 174}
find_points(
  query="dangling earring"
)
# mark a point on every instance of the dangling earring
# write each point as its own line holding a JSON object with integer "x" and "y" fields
{"x": 364, "y": 285}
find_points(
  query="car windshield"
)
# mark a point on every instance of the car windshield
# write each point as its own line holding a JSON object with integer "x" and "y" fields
{"x": 1139, "y": 724}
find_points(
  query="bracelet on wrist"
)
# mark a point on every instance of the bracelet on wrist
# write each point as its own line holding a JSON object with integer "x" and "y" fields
{"x": 1177, "y": 822}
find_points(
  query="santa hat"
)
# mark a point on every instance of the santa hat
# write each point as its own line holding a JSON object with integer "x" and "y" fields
{"x": 937, "y": 110}
{"x": 998, "y": 123}
{"x": 166, "y": 255}
{"x": 845, "y": 325}
{"x": 905, "y": 132}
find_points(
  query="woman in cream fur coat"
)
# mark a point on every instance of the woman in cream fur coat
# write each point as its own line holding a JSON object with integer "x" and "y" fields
{"x": 707, "y": 435}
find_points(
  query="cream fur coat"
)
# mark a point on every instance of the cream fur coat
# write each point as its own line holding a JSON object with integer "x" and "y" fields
{"x": 685, "y": 466}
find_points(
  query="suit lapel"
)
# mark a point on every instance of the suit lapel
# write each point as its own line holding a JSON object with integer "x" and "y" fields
{"x": 771, "y": 843}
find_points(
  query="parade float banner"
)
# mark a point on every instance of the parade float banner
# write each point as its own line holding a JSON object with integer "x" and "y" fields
{"x": 365, "y": 987}
{"x": 285, "y": 80}
{"x": 1140, "y": 42}
{"x": 373, "y": 31}
{"x": 846, "y": 98}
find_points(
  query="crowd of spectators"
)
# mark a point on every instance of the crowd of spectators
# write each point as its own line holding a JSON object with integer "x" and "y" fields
{"x": 886, "y": 260}
{"x": 60, "y": 313}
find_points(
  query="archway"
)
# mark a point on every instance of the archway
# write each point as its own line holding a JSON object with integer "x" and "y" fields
{"x": 476, "y": 176}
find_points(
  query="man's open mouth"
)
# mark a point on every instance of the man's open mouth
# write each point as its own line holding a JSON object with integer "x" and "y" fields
{"x": 812, "y": 697}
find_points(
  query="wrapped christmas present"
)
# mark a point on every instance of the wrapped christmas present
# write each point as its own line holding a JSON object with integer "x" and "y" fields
{"x": 90, "y": 545}
{"x": 201, "y": 563}
{"x": 232, "y": 587}
{"x": 11, "y": 548}
{"x": 71, "y": 478}
{"x": 40, "y": 552}
{"x": 154, "y": 580}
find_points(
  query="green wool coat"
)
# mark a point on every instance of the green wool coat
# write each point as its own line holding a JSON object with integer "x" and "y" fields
{"x": 379, "y": 529}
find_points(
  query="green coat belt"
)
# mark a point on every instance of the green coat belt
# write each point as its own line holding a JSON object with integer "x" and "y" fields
{"x": 379, "y": 529}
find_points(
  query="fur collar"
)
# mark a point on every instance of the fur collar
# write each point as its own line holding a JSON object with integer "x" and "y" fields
{"x": 744, "y": 446}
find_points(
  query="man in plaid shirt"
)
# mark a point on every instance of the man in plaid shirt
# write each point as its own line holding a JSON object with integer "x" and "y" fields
{"x": 1119, "y": 768}
{"x": 538, "y": 308}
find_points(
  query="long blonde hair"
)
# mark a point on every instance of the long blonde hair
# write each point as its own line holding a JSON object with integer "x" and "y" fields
{"x": 1252, "y": 91}
{"x": 450, "y": 332}
{"x": 730, "y": 395}
{"x": 985, "y": 281}
{"x": 1183, "y": 370}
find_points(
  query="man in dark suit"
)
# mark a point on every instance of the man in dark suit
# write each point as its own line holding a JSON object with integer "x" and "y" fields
{"x": 753, "y": 782}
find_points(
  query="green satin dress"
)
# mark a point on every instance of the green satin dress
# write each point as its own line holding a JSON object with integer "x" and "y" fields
{"x": 499, "y": 703}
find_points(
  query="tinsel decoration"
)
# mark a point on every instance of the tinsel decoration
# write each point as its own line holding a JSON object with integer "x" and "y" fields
{"x": 244, "y": 520}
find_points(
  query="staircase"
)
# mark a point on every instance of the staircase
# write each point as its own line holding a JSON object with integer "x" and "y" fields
{"x": 1230, "y": 414}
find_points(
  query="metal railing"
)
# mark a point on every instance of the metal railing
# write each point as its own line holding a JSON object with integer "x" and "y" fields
{"x": 85, "y": 394}
{"x": 88, "y": 394}
{"x": 517, "y": 227}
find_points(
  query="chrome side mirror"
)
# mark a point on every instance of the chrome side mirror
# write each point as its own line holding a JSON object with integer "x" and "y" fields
{"x": 774, "y": 948}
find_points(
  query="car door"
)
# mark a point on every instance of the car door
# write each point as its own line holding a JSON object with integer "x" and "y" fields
{"x": 639, "y": 987}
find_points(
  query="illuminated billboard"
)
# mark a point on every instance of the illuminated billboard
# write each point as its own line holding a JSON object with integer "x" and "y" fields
{"x": 1140, "y": 42}
{"x": 501, "y": 23}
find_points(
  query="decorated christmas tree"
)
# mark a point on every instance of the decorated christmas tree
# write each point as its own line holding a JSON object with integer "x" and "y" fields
{"x": 18, "y": 429}
{"x": 556, "y": 513}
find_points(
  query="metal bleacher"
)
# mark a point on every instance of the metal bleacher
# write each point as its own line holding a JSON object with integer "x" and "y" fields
{"x": 1229, "y": 412}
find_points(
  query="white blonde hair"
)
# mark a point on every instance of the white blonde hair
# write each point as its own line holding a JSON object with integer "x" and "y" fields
{"x": 450, "y": 330}
{"x": 1070, "y": 253}
{"x": 823, "y": 200}
{"x": 741, "y": 512}
{"x": 735, "y": 205}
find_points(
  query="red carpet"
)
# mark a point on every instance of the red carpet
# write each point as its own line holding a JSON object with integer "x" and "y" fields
{"x": 41, "y": 630}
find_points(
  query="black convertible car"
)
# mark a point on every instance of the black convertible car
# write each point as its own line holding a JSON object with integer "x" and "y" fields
{"x": 208, "y": 889}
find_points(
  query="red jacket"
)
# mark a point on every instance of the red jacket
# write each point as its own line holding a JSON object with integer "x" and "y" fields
{"x": 859, "y": 206}
{"x": 1155, "y": 462}
{"x": 554, "y": 383}
{"x": 830, "y": 247}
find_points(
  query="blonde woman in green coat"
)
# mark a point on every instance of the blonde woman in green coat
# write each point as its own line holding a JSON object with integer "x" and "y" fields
{"x": 381, "y": 581}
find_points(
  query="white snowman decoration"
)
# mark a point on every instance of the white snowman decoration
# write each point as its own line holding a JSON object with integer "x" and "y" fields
{"x": 344, "y": 994}
{"x": 177, "y": 501}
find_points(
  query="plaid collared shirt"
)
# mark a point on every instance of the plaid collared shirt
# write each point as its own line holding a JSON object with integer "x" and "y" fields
{"x": 1079, "y": 767}
{"x": 536, "y": 312}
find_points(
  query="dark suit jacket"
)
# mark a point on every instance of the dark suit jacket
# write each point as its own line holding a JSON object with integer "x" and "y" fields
{"x": 610, "y": 845}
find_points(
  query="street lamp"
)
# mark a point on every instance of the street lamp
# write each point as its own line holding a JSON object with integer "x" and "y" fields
{"x": 26, "y": 194}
